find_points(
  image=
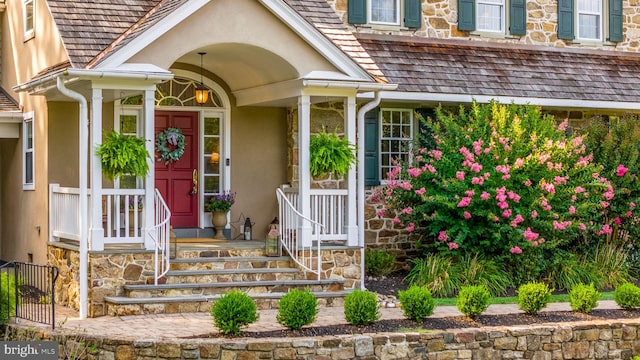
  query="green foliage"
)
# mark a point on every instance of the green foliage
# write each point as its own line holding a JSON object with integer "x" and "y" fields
{"x": 123, "y": 155}
{"x": 436, "y": 272}
{"x": 610, "y": 263}
{"x": 565, "y": 270}
{"x": 417, "y": 303}
{"x": 615, "y": 143}
{"x": 583, "y": 298}
{"x": 361, "y": 308}
{"x": 532, "y": 297}
{"x": 627, "y": 296}
{"x": 474, "y": 270}
{"x": 297, "y": 308}
{"x": 378, "y": 262}
{"x": 233, "y": 311}
{"x": 503, "y": 180}
{"x": 473, "y": 300}
{"x": 330, "y": 154}
{"x": 7, "y": 297}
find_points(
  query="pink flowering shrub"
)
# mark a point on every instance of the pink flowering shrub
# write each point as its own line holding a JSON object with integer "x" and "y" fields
{"x": 503, "y": 180}
{"x": 616, "y": 145}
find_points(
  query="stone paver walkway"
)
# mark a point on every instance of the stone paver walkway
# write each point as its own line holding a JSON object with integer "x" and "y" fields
{"x": 172, "y": 326}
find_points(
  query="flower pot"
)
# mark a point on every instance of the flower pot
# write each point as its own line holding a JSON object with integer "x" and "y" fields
{"x": 219, "y": 221}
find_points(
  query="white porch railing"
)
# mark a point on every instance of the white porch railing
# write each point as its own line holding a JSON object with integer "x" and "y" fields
{"x": 64, "y": 213}
{"x": 160, "y": 233}
{"x": 291, "y": 223}
{"x": 328, "y": 207}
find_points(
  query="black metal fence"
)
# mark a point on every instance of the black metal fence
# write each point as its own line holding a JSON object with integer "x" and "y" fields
{"x": 27, "y": 292}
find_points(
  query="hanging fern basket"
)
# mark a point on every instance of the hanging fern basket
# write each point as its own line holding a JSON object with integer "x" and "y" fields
{"x": 330, "y": 154}
{"x": 123, "y": 155}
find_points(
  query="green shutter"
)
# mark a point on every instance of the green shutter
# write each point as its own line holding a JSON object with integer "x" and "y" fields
{"x": 615, "y": 20}
{"x": 371, "y": 153}
{"x": 565, "y": 19}
{"x": 518, "y": 17}
{"x": 467, "y": 15}
{"x": 413, "y": 13}
{"x": 357, "y": 10}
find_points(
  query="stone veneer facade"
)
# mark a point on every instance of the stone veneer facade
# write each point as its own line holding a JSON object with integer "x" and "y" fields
{"x": 617, "y": 339}
{"x": 109, "y": 271}
{"x": 440, "y": 20}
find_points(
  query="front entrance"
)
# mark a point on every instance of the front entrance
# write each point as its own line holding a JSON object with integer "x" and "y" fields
{"x": 177, "y": 181}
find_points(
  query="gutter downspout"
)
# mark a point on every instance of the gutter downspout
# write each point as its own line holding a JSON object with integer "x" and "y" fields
{"x": 82, "y": 217}
{"x": 361, "y": 112}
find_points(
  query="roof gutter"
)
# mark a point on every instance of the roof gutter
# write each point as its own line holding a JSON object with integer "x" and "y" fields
{"x": 82, "y": 218}
{"x": 407, "y": 96}
{"x": 361, "y": 112}
{"x": 360, "y": 86}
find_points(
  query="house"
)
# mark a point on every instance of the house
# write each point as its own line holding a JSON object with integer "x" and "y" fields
{"x": 274, "y": 72}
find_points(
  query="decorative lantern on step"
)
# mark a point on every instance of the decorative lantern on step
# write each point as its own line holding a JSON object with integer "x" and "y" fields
{"x": 272, "y": 243}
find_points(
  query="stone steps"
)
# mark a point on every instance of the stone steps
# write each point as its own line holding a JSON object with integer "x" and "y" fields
{"x": 193, "y": 282}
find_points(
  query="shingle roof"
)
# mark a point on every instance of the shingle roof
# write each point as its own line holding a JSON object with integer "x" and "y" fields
{"x": 89, "y": 27}
{"x": 479, "y": 68}
{"x": 7, "y": 103}
{"x": 320, "y": 14}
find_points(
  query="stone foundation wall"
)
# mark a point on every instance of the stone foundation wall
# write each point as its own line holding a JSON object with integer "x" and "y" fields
{"x": 108, "y": 272}
{"x": 342, "y": 263}
{"x": 583, "y": 340}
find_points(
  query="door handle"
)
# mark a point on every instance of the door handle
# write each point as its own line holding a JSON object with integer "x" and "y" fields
{"x": 194, "y": 178}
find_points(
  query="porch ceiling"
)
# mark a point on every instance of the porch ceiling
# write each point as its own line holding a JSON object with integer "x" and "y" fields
{"x": 242, "y": 66}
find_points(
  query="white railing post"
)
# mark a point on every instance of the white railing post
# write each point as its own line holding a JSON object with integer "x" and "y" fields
{"x": 149, "y": 181}
{"x": 159, "y": 233}
{"x": 304, "y": 175}
{"x": 352, "y": 196}
{"x": 52, "y": 213}
{"x": 96, "y": 233}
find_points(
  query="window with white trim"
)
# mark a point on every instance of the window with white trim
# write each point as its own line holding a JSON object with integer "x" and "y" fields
{"x": 28, "y": 168}
{"x": 396, "y": 135}
{"x": 491, "y": 15}
{"x": 386, "y": 12}
{"x": 589, "y": 19}
{"x": 128, "y": 124}
{"x": 28, "y": 18}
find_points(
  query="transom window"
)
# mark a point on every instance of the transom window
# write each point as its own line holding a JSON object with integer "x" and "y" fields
{"x": 213, "y": 160}
{"x": 396, "y": 135}
{"x": 491, "y": 14}
{"x": 589, "y": 18}
{"x": 385, "y": 12}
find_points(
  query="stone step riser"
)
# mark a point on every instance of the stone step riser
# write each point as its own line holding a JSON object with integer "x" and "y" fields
{"x": 210, "y": 278}
{"x": 200, "y": 253}
{"x": 230, "y": 265}
{"x": 158, "y": 293}
{"x": 198, "y": 306}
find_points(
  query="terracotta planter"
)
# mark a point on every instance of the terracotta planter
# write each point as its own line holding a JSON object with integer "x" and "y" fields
{"x": 219, "y": 221}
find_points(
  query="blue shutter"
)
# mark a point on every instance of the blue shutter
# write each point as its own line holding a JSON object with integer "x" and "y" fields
{"x": 357, "y": 11}
{"x": 467, "y": 15}
{"x": 565, "y": 19}
{"x": 413, "y": 13}
{"x": 371, "y": 153}
{"x": 615, "y": 20}
{"x": 518, "y": 17}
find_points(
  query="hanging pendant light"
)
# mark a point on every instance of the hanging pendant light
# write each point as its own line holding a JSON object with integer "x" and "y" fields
{"x": 202, "y": 93}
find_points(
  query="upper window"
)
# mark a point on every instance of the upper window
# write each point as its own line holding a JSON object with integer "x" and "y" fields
{"x": 28, "y": 18}
{"x": 590, "y": 20}
{"x": 28, "y": 182}
{"x": 400, "y": 13}
{"x": 493, "y": 16}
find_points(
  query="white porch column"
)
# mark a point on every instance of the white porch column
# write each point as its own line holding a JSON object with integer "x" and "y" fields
{"x": 149, "y": 181}
{"x": 304, "y": 175}
{"x": 96, "y": 232}
{"x": 352, "y": 197}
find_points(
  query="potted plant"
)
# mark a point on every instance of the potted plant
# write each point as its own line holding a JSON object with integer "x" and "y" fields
{"x": 330, "y": 154}
{"x": 219, "y": 205}
{"x": 123, "y": 155}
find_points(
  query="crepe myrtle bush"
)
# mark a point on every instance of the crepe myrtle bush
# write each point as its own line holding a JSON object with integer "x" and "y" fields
{"x": 501, "y": 180}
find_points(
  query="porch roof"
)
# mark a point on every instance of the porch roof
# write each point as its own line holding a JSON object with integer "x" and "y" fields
{"x": 474, "y": 68}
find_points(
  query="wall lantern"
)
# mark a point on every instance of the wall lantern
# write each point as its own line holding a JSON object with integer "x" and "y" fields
{"x": 202, "y": 93}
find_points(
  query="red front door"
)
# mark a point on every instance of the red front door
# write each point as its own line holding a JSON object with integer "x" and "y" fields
{"x": 175, "y": 180}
